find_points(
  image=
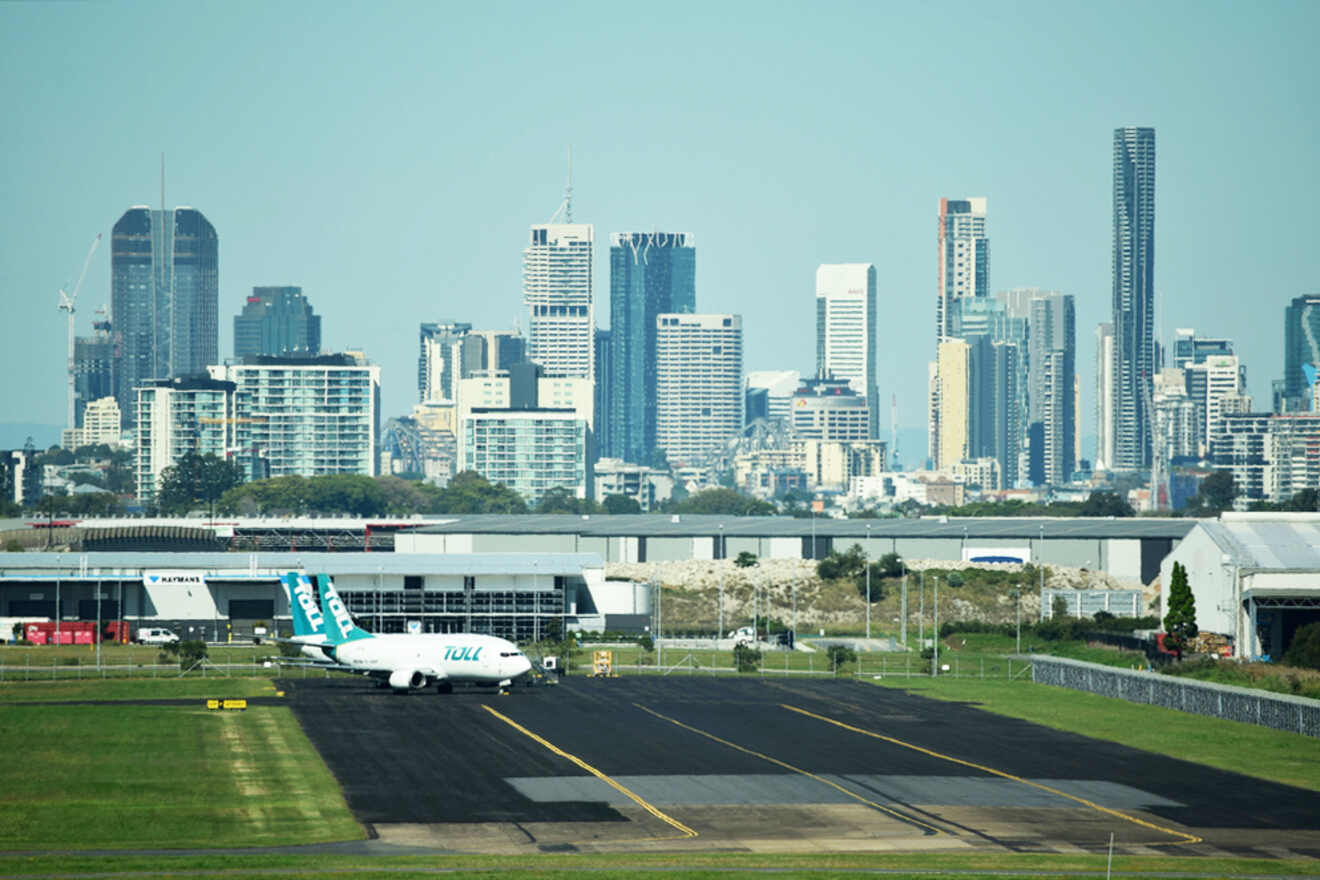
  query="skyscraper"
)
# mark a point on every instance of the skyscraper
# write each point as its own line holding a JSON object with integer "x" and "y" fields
{"x": 164, "y": 297}
{"x": 964, "y": 258}
{"x": 1301, "y": 345}
{"x": 699, "y": 399}
{"x": 1104, "y": 396}
{"x": 962, "y": 272}
{"x": 277, "y": 321}
{"x": 1134, "y": 296}
{"x": 1188, "y": 348}
{"x": 557, "y": 291}
{"x": 650, "y": 273}
{"x": 995, "y": 407}
{"x": 1052, "y": 356}
{"x": 845, "y": 330}
{"x": 93, "y": 368}
{"x": 954, "y": 372}
{"x": 439, "y": 362}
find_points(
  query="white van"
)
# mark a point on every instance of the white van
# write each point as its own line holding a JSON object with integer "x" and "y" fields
{"x": 156, "y": 635}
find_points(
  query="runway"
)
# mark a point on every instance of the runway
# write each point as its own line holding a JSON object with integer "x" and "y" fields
{"x": 752, "y": 764}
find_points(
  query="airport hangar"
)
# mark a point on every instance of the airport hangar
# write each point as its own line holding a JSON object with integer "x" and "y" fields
{"x": 1128, "y": 549}
{"x": 213, "y": 596}
{"x": 517, "y": 576}
{"x": 1254, "y": 576}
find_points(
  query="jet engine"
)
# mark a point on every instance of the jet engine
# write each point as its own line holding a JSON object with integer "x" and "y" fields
{"x": 407, "y": 679}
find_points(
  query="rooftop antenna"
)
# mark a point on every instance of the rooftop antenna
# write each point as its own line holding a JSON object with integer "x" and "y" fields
{"x": 162, "y": 185}
{"x": 893, "y": 428}
{"x": 566, "y": 206}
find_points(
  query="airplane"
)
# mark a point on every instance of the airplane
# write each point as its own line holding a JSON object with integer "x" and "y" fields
{"x": 413, "y": 661}
{"x": 309, "y": 631}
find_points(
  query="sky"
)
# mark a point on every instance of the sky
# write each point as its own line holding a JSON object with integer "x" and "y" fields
{"x": 390, "y": 157}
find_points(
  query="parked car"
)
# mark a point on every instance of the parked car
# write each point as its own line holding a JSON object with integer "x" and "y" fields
{"x": 156, "y": 635}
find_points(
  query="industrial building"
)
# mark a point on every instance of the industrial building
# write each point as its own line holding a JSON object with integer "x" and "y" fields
{"x": 1128, "y": 549}
{"x": 211, "y": 596}
{"x": 1255, "y": 577}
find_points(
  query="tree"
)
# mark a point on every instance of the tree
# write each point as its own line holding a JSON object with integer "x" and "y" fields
{"x": 621, "y": 504}
{"x": 746, "y": 559}
{"x": 840, "y": 655}
{"x": 877, "y": 584}
{"x": 1180, "y": 617}
{"x": 842, "y": 565}
{"x": 1304, "y": 650}
{"x": 470, "y": 492}
{"x": 562, "y": 500}
{"x": 1216, "y": 494}
{"x": 196, "y": 479}
{"x": 1105, "y": 504}
{"x": 746, "y": 658}
{"x": 891, "y": 565}
{"x": 727, "y": 502}
{"x": 955, "y": 579}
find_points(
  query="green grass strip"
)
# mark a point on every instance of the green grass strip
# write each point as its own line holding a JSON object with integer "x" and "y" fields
{"x": 1276, "y": 755}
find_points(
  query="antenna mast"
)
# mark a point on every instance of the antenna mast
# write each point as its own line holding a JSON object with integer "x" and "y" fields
{"x": 893, "y": 428}
{"x": 566, "y": 206}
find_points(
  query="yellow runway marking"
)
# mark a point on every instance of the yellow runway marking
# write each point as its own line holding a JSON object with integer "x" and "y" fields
{"x": 931, "y": 829}
{"x": 683, "y": 830}
{"x": 1186, "y": 838}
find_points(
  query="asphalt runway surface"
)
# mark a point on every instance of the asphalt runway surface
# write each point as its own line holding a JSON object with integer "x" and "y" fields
{"x": 763, "y": 764}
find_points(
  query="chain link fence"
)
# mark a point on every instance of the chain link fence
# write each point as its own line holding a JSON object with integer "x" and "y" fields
{"x": 1279, "y": 711}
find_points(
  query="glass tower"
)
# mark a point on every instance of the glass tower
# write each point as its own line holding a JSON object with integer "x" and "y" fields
{"x": 1134, "y": 354}
{"x": 277, "y": 321}
{"x": 164, "y": 298}
{"x": 651, "y": 273}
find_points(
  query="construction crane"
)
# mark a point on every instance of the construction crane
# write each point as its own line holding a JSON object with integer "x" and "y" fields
{"x": 67, "y": 302}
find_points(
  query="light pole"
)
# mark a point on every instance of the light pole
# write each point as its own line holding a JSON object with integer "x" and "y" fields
{"x": 1017, "y": 601}
{"x": 935, "y": 625}
{"x": 719, "y": 630}
{"x": 868, "y": 582}
{"x": 921, "y": 612}
{"x": 1040, "y": 565}
{"x": 903, "y": 614}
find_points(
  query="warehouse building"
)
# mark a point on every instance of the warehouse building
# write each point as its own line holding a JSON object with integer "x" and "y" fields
{"x": 1255, "y": 578}
{"x": 1129, "y": 550}
{"x": 211, "y": 596}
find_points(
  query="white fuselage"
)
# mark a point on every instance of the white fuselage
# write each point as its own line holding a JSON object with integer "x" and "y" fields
{"x": 456, "y": 658}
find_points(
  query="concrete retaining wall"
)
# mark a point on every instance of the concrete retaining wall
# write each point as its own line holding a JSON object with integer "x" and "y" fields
{"x": 1280, "y": 711}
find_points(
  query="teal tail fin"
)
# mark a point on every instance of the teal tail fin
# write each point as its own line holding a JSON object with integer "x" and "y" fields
{"x": 308, "y": 619}
{"x": 341, "y": 627}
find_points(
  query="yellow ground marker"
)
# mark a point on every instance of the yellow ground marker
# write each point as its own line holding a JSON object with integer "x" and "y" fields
{"x": 1186, "y": 838}
{"x": 930, "y": 829}
{"x": 683, "y": 830}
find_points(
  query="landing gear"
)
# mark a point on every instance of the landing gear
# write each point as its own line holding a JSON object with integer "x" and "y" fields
{"x": 444, "y": 687}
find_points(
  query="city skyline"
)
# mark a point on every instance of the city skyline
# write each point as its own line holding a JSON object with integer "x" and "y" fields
{"x": 715, "y": 176}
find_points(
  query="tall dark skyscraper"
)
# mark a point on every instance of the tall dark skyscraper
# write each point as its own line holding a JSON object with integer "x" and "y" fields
{"x": 651, "y": 273}
{"x": 164, "y": 298}
{"x": 1301, "y": 345}
{"x": 1052, "y": 357}
{"x": 93, "y": 368}
{"x": 277, "y": 321}
{"x": 1134, "y": 356}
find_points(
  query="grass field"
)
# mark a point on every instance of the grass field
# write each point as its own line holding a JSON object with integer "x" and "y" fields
{"x": 1276, "y": 755}
{"x": 677, "y": 865}
{"x": 161, "y": 776}
{"x": 112, "y": 777}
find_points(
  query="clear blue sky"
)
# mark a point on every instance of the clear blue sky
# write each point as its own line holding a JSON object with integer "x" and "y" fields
{"x": 389, "y": 157}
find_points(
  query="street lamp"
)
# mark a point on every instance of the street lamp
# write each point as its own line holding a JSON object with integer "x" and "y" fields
{"x": 1017, "y": 601}
{"x": 719, "y": 631}
{"x": 868, "y": 582}
{"x": 935, "y": 627}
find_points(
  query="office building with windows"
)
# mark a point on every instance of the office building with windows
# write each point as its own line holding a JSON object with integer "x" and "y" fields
{"x": 277, "y": 321}
{"x": 1301, "y": 349}
{"x": 176, "y": 417}
{"x": 1134, "y": 356}
{"x": 164, "y": 298}
{"x": 1052, "y": 357}
{"x": 558, "y": 294}
{"x": 699, "y": 377}
{"x": 964, "y": 258}
{"x": 304, "y": 416}
{"x": 529, "y": 450}
{"x": 845, "y": 330}
{"x": 829, "y": 409}
{"x": 651, "y": 273}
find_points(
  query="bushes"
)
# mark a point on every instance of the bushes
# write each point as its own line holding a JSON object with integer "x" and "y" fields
{"x": 840, "y": 656}
{"x": 1305, "y": 648}
{"x": 1056, "y": 629}
{"x": 746, "y": 658}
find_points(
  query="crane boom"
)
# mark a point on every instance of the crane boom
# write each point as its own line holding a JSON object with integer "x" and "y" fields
{"x": 67, "y": 304}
